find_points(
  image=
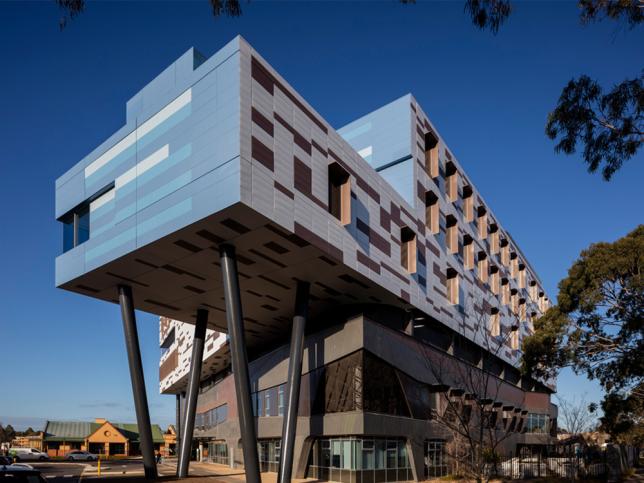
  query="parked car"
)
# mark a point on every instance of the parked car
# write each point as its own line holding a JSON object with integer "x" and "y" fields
{"x": 5, "y": 460}
{"x": 78, "y": 455}
{"x": 27, "y": 454}
{"x": 23, "y": 465}
{"x": 20, "y": 474}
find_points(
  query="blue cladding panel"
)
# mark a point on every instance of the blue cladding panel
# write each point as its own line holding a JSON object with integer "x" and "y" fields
{"x": 177, "y": 163}
{"x": 385, "y": 132}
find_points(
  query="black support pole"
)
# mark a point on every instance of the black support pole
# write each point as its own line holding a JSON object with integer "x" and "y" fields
{"x": 193, "y": 393}
{"x": 239, "y": 361}
{"x": 177, "y": 428}
{"x": 289, "y": 424}
{"x": 138, "y": 382}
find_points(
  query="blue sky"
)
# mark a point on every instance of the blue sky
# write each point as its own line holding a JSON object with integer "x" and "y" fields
{"x": 63, "y": 354}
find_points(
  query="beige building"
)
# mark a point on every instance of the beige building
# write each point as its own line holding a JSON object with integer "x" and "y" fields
{"x": 101, "y": 437}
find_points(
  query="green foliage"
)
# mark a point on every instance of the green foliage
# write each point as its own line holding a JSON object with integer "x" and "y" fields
{"x": 610, "y": 125}
{"x": 624, "y": 417}
{"x": 629, "y": 10}
{"x": 488, "y": 14}
{"x": 597, "y": 326}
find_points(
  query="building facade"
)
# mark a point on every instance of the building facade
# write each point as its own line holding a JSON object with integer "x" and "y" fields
{"x": 410, "y": 277}
{"x": 100, "y": 437}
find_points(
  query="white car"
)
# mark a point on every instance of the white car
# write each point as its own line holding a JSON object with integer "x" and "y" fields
{"x": 27, "y": 454}
{"x": 78, "y": 455}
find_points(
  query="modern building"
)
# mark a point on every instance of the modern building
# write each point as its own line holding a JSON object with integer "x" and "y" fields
{"x": 332, "y": 283}
{"x": 100, "y": 437}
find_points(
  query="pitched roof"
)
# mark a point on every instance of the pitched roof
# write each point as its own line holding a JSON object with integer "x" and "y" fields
{"x": 79, "y": 430}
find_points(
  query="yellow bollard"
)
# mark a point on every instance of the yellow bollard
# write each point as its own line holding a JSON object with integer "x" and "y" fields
{"x": 99, "y": 465}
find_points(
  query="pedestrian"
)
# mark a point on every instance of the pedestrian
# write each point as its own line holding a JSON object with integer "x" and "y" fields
{"x": 158, "y": 456}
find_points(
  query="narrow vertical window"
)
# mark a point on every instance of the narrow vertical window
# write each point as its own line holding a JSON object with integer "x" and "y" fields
{"x": 452, "y": 286}
{"x": 431, "y": 155}
{"x": 541, "y": 302}
{"x": 280, "y": 400}
{"x": 468, "y": 204}
{"x": 482, "y": 222}
{"x": 451, "y": 174}
{"x": 468, "y": 252}
{"x": 452, "y": 234}
{"x": 505, "y": 291}
{"x": 494, "y": 238}
{"x": 495, "y": 322}
{"x": 505, "y": 252}
{"x": 522, "y": 275}
{"x": 514, "y": 338}
{"x": 408, "y": 249}
{"x": 522, "y": 309}
{"x": 514, "y": 301}
{"x": 494, "y": 279}
{"x": 532, "y": 291}
{"x": 432, "y": 212}
{"x": 514, "y": 265}
{"x": 483, "y": 266}
{"x": 340, "y": 193}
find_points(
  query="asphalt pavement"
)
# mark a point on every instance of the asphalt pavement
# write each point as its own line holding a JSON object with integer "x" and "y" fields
{"x": 59, "y": 471}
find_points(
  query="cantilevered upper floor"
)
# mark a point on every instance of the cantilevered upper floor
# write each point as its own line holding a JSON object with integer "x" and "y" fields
{"x": 224, "y": 150}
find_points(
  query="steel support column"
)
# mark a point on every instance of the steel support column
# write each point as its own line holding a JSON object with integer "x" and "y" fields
{"x": 177, "y": 427}
{"x": 193, "y": 393}
{"x": 239, "y": 362}
{"x": 289, "y": 423}
{"x": 138, "y": 382}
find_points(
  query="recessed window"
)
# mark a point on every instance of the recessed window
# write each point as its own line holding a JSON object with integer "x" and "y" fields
{"x": 468, "y": 252}
{"x": 532, "y": 290}
{"x": 451, "y": 178}
{"x": 408, "y": 249}
{"x": 514, "y": 338}
{"x": 468, "y": 204}
{"x": 431, "y": 154}
{"x": 432, "y": 212}
{"x": 452, "y": 286}
{"x": 494, "y": 279}
{"x": 452, "y": 234}
{"x": 514, "y": 301}
{"x": 340, "y": 193}
{"x": 494, "y": 238}
{"x": 522, "y": 309}
{"x": 482, "y": 222}
{"x": 522, "y": 275}
{"x": 514, "y": 265}
{"x": 505, "y": 252}
{"x": 505, "y": 291}
{"x": 483, "y": 266}
{"x": 495, "y": 322}
{"x": 75, "y": 227}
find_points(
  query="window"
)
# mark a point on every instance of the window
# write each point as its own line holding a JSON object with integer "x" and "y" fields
{"x": 340, "y": 193}
{"x": 537, "y": 423}
{"x": 431, "y": 154}
{"x": 435, "y": 459}
{"x": 468, "y": 252}
{"x": 505, "y": 252}
{"x": 267, "y": 405}
{"x": 432, "y": 212}
{"x": 522, "y": 275}
{"x": 483, "y": 267}
{"x": 451, "y": 174}
{"x": 532, "y": 290}
{"x": 522, "y": 309}
{"x": 218, "y": 452}
{"x": 495, "y": 322}
{"x": 452, "y": 234}
{"x": 75, "y": 227}
{"x": 505, "y": 291}
{"x": 494, "y": 238}
{"x": 514, "y": 265}
{"x": 482, "y": 215}
{"x": 494, "y": 279}
{"x": 452, "y": 286}
{"x": 408, "y": 249}
{"x": 280, "y": 400}
{"x": 514, "y": 338}
{"x": 514, "y": 301}
{"x": 468, "y": 204}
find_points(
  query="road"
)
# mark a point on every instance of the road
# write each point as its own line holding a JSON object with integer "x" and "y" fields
{"x": 60, "y": 472}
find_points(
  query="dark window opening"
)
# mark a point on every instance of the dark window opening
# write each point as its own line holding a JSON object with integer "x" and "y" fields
{"x": 339, "y": 193}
